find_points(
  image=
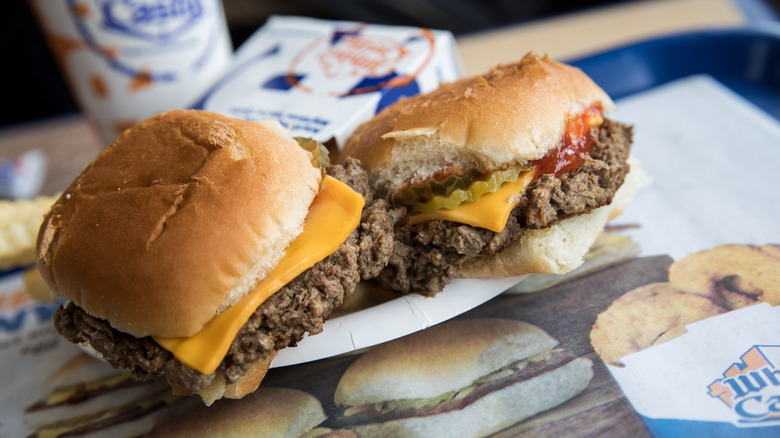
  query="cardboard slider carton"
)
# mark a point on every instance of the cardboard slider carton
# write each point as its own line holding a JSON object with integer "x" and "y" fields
{"x": 322, "y": 78}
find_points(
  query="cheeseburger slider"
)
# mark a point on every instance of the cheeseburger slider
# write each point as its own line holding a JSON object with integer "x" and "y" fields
{"x": 497, "y": 164}
{"x": 197, "y": 245}
{"x": 471, "y": 377}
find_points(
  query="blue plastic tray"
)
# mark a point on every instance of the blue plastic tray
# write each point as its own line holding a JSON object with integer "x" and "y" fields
{"x": 747, "y": 60}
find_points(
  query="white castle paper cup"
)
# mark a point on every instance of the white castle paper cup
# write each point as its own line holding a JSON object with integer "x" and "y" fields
{"x": 126, "y": 60}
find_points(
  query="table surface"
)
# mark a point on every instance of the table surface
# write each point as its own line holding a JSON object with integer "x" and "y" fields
{"x": 70, "y": 142}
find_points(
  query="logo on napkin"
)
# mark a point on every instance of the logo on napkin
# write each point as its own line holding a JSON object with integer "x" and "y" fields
{"x": 751, "y": 387}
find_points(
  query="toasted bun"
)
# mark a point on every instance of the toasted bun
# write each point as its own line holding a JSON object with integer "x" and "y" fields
{"x": 176, "y": 220}
{"x": 511, "y": 115}
{"x": 559, "y": 248}
{"x": 246, "y": 384}
{"x": 273, "y": 412}
{"x": 437, "y": 360}
{"x": 495, "y": 411}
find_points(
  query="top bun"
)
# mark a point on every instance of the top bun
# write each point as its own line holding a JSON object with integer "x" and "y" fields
{"x": 443, "y": 358}
{"x": 177, "y": 219}
{"x": 511, "y": 115}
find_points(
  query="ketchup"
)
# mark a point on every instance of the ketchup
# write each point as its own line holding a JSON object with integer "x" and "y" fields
{"x": 574, "y": 147}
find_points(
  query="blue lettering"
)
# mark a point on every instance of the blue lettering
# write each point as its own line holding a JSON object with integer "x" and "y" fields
{"x": 142, "y": 13}
{"x": 44, "y": 312}
{"x": 772, "y": 375}
{"x": 743, "y": 385}
{"x": 12, "y": 324}
{"x": 755, "y": 409}
{"x": 774, "y": 404}
{"x": 738, "y": 391}
{"x": 742, "y": 408}
{"x": 760, "y": 384}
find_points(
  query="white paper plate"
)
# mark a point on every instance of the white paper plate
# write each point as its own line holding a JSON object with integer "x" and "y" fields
{"x": 393, "y": 319}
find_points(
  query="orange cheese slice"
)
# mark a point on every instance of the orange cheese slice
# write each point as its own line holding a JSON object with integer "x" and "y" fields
{"x": 491, "y": 211}
{"x": 333, "y": 215}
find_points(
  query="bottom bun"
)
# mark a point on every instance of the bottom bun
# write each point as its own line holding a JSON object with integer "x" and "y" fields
{"x": 559, "y": 248}
{"x": 218, "y": 388}
{"x": 495, "y": 411}
{"x": 247, "y": 384}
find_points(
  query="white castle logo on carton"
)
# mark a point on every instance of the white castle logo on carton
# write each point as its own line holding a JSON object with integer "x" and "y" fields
{"x": 353, "y": 61}
{"x": 751, "y": 388}
{"x": 321, "y": 78}
{"x": 151, "y": 20}
{"x": 354, "y": 56}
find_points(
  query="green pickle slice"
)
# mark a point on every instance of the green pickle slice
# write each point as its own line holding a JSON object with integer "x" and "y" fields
{"x": 320, "y": 157}
{"x": 456, "y": 190}
{"x": 433, "y": 188}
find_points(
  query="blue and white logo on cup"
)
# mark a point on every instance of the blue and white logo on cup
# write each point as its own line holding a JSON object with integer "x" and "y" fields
{"x": 158, "y": 21}
{"x": 149, "y": 40}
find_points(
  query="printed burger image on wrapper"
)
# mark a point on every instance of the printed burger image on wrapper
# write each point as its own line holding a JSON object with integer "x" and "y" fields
{"x": 709, "y": 336}
{"x": 320, "y": 78}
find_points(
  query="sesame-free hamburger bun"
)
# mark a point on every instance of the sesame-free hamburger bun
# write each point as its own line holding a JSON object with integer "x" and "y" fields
{"x": 513, "y": 114}
{"x": 171, "y": 223}
{"x": 172, "y": 243}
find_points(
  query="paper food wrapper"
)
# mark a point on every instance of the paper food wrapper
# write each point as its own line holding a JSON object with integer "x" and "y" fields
{"x": 322, "y": 78}
{"x": 393, "y": 319}
{"x": 722, "y": 378}
{"x": 710, "y": 154}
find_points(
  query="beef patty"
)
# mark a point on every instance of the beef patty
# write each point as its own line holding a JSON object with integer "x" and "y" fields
{"x": 426, "y": 256}
{"x": 281, "y": 321}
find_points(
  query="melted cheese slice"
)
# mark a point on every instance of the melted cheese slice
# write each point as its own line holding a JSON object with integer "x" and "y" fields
{"x": 491, "y": 211}
{"x": 333, "y": 215}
